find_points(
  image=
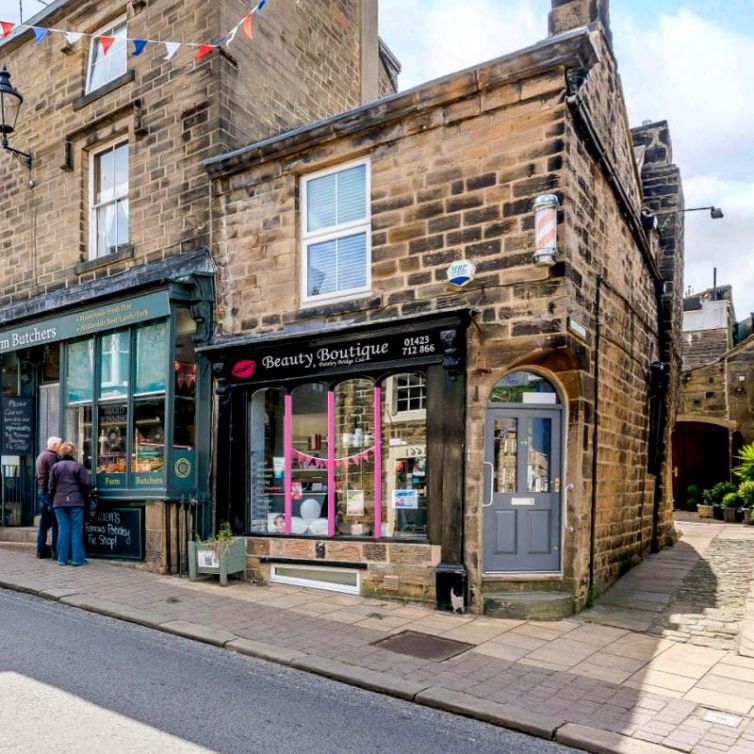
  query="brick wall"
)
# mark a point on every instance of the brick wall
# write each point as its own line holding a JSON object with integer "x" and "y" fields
{"x": 303, "y": 64}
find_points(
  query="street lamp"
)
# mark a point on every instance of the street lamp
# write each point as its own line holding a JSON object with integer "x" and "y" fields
{"x": 10, "y": 104}
{"x": 714, "y": 212}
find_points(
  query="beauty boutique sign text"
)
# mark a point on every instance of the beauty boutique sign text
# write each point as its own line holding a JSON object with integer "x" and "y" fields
{"x": 349, "y": 353}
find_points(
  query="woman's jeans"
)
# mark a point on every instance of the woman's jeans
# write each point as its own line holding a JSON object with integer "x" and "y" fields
{"x": 70, "y": 535}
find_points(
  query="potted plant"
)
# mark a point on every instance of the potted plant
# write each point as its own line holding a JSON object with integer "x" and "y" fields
{"x": 746, "y": 490}
{"x": 221, "y": 554}
{"x": 745, "y": 470}
{"x": 713, "y": 498}
{"x": 732, "y": 501}
{"x": 692, "y": 497}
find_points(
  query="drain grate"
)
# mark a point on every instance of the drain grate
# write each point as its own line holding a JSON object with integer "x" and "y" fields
{"x": 423, "y": 646}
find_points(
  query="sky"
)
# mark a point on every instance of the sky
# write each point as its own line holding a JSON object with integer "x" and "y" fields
{"x": 686, "y": 61}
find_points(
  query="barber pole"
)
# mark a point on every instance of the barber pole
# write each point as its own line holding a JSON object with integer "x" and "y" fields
{"x": 546, "y": 229}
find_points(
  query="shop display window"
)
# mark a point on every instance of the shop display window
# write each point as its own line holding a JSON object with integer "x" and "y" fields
{"x": 78, "y": 429}
{"x": 339, "y": 461}
{"x": 112, "y": 420}
{"x": 116, "y": 388}
{"x": 152, "y": 345}
{"x": 80, "y": 371}
{"x": 114, "y": 364}
{"x": 354, "y": 471}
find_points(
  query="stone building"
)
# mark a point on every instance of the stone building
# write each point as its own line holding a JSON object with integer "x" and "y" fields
{"x": 501, "y": 444}
{"x": 716, "y": 414}
{"x": 108, "y": 282}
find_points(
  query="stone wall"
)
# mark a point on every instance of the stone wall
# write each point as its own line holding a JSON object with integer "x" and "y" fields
{"x": 740, "y": 388}
{"x": 703, "y": 391}
{"x": 303, "y": 64}
{"x": 397, "y": 570}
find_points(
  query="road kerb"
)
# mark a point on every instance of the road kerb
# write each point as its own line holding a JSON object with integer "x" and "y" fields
{"x": 599, "y": 741}
{"x": 141, "y": 616}
{"x": 364, "y": 678}
{"x": 262, "y": 651}
{"x": 190, "y": 630}
{"x": 503, "y": 715}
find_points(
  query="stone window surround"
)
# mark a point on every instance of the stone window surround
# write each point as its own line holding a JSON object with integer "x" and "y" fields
{"x": 335, "y": 232}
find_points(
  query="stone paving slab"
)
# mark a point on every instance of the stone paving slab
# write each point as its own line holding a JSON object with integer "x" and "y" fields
{"x": 602, "y": 686}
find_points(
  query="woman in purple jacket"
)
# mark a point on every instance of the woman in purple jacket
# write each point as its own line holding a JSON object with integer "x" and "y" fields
{"x": 69, "y": 488}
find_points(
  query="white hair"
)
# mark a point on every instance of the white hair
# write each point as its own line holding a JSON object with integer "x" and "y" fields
{"x": 52, "y": 441}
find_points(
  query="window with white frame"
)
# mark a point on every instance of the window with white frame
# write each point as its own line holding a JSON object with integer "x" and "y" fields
{"x": 409, "y": 393}
{"x": 106, "y": 66}
{"x": 336, "y": 233}
{"x": 108, "y": 201}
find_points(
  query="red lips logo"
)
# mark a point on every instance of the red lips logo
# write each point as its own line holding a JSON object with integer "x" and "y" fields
{"x": 244, "y": 369}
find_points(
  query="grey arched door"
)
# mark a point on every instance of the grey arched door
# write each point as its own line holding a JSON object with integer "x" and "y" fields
{"x": 522, "y": 489}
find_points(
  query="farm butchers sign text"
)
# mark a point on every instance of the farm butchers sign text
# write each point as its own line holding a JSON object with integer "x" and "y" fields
{"x": 292, "y": 361}
{"x": 107, "y": 317}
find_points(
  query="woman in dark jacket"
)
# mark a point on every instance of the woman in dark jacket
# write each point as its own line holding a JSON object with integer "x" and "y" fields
{"x": 68, "y": 489}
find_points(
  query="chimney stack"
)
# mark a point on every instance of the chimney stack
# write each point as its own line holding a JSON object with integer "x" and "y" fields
{"x": 370, "y": 51}
{"x": 571, "y": 14}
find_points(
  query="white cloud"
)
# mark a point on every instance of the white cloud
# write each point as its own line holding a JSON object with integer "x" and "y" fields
{"x": 695, "y": 74}
{"x": 725, "y": 244}
{"x": 439, "y": 37}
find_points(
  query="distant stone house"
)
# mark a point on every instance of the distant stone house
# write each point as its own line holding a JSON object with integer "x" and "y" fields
{"x": 502, "y": 444}
{"x": 716, "y": 413}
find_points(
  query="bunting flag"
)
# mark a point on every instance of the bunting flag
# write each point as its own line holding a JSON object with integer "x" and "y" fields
{"x": 247, "y": 30}
{"x": 356, "y": 459}
{"x": 106, "y": 42}
{"x": 204, "y": 50}
{"x": 40, "y": 35}
{"x": 139, "y": 45}
{"x": 171, "y": 48}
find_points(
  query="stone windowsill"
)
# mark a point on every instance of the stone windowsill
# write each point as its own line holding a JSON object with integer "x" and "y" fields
{"x": 124, "y": 252}
{"x": 110, "y": 86}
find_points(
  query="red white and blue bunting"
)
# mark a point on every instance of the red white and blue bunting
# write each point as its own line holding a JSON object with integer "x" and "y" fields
{"x": 137, "y": 46}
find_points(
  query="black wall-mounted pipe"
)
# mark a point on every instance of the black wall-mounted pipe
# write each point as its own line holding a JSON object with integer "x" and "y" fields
{"x": 595, "y": 429}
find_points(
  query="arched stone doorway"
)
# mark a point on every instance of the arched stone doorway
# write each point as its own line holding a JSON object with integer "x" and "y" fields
{"x": 701, "y": 456}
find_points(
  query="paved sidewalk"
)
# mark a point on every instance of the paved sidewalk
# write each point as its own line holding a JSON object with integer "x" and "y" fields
{"x": 623, "y": 677}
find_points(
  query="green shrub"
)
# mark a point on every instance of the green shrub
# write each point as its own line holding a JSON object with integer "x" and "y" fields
{"x": 692, "y": 490}
{"x": 732, "y": 500}
{"x": 746, "y": 491}
{"x": 714, "y": 495}
{"x": 691, "y": 503}
{"x": 745, "y": 470}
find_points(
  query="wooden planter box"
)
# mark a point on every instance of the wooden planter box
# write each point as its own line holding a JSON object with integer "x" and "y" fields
{"x": 217, "y": 559}
{"x": 704, "y": 511}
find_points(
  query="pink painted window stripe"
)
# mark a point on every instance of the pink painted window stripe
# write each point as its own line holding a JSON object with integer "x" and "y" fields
{"x": 331, "y": 463}
{"x": 377, "y": 463}
{"x": 288, "y": 441}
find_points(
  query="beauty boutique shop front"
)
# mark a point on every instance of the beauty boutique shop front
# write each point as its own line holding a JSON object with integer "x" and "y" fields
{"x": 340, "y": 455}
{"x": 120, "y": 380}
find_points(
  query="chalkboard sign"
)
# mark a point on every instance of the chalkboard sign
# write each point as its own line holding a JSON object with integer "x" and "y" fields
{"x": 115, "y": 534}
{"x": 18, "y": 426}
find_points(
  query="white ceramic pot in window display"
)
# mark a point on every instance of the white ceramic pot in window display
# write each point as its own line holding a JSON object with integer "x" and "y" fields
{"x": 347, "y": 439}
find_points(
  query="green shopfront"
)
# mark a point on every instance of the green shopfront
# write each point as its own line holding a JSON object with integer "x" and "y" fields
{"x": 122, "y": 381}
